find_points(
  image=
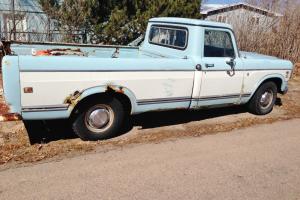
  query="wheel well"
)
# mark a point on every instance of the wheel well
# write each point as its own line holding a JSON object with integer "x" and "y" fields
{"x": 277, "y": 81}
{"x": 124, "y": 100}
{"x": 108, "y": 94}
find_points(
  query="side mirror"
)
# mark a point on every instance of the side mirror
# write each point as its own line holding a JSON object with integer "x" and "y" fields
{"x": 230, "y": 62}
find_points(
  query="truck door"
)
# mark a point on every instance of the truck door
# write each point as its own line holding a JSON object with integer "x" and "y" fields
{"x": 222, "y": 76}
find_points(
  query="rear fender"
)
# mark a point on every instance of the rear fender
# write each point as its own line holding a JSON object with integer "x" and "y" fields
{"x": 75, "y": 98}
{"x": 11, "y": 83}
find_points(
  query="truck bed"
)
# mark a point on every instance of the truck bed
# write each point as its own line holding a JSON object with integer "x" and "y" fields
{"x": 73, "y": 50}
{"x": 86, "y": 50}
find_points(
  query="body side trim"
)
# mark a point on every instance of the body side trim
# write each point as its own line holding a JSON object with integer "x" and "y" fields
{"x": 45, "y": 108}
{"x": 183, "y": 99}
{"x": 96, "y": 70}
{"x": 145, "y": 70}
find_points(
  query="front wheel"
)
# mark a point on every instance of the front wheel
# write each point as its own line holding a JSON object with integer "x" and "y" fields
{"x": 264, "y": 99}
{"x": 99, "y": 120}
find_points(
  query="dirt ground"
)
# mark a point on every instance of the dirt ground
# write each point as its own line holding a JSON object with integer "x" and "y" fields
{"x": 59, "y": 141}
{"x": 254, "y": 163}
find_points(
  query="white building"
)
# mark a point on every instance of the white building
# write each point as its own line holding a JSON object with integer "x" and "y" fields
{"x": 240, "y": 14}
{"x": 31, "y": 23}
{"x": 26, "y": 21}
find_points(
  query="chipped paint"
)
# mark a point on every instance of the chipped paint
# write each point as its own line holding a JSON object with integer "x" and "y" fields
{"x": 58, "y": 52}
{"x": 4, "y": 108}
{"x": 10, "y": 117}
{"x": 242, "y": 91}
{"x": 73, "y": 99}
{"x": 7, "y": 63}
{"x": 117, "y": 89}
{"x": 168, "y": 87}
{"x": 5, "y": 114}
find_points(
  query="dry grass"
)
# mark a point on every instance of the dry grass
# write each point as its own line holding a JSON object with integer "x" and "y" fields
{"x": 278, "y": 36}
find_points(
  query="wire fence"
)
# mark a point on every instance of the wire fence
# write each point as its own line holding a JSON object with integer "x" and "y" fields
{"x": 28, "y": 23}
{"x": 52, "y": 36}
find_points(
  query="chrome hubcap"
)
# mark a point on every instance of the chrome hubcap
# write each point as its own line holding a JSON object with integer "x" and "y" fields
{"x": 266, "y": 99}
{"x": 99, "y": 118}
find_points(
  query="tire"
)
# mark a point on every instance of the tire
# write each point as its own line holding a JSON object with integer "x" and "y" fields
{"x": 99, "y": 120}
{"x": 264, "y": 99}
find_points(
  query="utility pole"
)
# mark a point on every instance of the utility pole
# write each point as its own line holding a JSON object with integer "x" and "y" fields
{"x": 13, "y": 18}
{"x": 49, "y": 28}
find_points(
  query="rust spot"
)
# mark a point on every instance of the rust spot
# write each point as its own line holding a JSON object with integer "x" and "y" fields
{"x": 10, "y": 117}
{"x": 7, "y": 63}
{"x": 58, "y": 52}
{"x": 4, "y": 108}
{"x": 73, "y": 99}
{"x": 115, "y": 89}
{"x": 5, "y": 114}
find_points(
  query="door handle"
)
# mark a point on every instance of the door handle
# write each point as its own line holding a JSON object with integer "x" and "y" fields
{"x": 209, "y": 65}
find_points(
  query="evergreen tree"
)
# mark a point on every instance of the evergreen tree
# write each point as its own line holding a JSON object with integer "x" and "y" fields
{"x": 118, "y": 21}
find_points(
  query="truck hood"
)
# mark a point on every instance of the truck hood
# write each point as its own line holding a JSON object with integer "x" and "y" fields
{"x": 255, "y": 60}
{"x": 254, "y": 55}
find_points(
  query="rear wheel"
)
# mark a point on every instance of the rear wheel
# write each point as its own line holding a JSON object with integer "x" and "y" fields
{"x": 99, "y": 120}
{"x": 264, "y": 99}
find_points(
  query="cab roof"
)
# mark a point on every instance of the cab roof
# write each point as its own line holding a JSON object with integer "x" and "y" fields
{"x": 187, "y": 21}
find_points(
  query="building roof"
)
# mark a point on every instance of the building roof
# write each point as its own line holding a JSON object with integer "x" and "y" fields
{"x": 210, "y": 9}
{"x": 187, "y": 21}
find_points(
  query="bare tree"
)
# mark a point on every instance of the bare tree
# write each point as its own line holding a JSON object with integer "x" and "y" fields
{"x": 276, "y": 35}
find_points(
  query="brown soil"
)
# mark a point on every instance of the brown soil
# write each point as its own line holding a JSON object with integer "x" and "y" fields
{"x": 15, "y": 147}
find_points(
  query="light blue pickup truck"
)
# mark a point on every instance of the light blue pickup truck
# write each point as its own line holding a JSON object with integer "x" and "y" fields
{"x": 181, "y": 64}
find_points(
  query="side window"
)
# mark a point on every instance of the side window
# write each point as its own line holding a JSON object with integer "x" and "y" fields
{"x": 218, "y": 44}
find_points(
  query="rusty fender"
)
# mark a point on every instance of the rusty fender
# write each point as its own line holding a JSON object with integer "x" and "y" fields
{"x": 74, "y": 98}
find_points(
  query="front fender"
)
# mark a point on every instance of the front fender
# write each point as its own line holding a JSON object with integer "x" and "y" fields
{"x": 271, "y": 76}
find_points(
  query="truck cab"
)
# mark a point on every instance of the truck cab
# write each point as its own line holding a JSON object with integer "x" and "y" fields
{"x": 223, "y": 74}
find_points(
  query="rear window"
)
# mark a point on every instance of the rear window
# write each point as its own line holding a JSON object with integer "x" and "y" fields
{"x": 173, "y": 37}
